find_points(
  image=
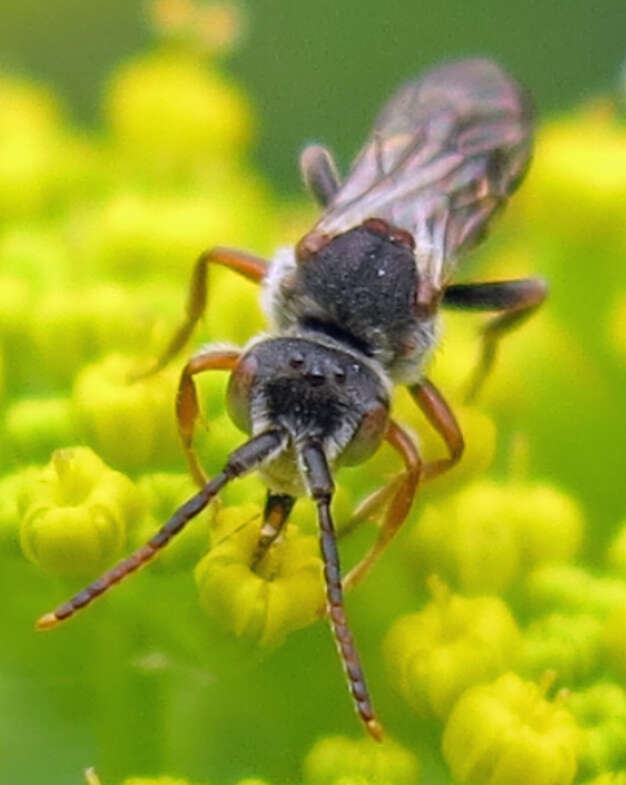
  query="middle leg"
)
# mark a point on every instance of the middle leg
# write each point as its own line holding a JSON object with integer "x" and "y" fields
{"x": 441, "y": 417}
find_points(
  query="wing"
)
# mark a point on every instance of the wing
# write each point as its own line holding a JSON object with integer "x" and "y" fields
{"x": 443, "y": 156}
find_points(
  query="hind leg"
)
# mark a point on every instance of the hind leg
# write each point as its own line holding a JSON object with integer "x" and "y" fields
{"x": 442, "y": 418}
{"x": 517, "y": 299}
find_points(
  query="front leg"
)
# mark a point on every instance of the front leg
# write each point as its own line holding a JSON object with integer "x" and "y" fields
{"x": 187, "y": 408}
{"x": 246, "y": 264}
{"x": 518, "y": 300}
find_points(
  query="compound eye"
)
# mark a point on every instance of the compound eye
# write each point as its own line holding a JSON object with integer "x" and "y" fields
{"x": 368, "y": 436}
{"x": 239, "y": 392}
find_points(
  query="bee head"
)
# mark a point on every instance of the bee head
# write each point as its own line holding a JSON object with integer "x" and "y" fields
{"x": 310, "y": 391}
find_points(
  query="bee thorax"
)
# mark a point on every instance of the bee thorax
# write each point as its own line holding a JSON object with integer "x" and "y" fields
{"x": 360, "y": 289}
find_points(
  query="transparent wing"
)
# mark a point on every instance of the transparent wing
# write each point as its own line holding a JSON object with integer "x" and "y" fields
{"x": 444, "y": 154}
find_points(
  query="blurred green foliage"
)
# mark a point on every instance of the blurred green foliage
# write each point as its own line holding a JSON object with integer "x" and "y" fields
{"x": 318, "y": 70}
{"x": 97, "y": 237}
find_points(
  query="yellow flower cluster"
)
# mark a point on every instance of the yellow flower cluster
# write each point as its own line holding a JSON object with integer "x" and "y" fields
{"x": 97, "y": 240}
{"x": 266, "y": 601}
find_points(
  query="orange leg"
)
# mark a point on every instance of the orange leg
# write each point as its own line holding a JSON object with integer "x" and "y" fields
{"x": 187, "y": 407}
{"x": 400, "y": 491}
{"x": 252, "y": 267}
{"x": 441, "y": 417}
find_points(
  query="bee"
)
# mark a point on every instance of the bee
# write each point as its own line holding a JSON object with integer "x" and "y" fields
{"x": 353, "y": 311}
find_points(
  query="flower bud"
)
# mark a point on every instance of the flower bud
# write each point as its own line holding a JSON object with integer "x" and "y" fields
{"x": 616, "y": 556}
{"x": 577, "y": 181}
{"x": 136, "y": 233}
{"x": 479, "y": 432}
{"x": 481, "y": 537}
{"x": 338, "y": 759}
{"x": 170, "y": 111}
{"x": 615, "y": 639}
{"x": 11, "y": 488}
{"x": 39, "y": 253}
{"x": 569, "y": 645}
{"x": 506, "y": 733}
{"x": 67, "y": 333}
{"x": 75, "y": 513}
{"x": 550, "y": 523}
{"x": 35, "y": 427}
{"x": 284, "y": 592}
{"x": 453, "y": 643}
{"x": 572, "y": 589}
{"x": 130, "y": 423}
{"x": 470, "y": 539}
{"x": 41, "y": 164}
{"x": 27, "y": 109}
{"x": 29, "y": 135}
{"x": 16, "y": 304}
{"x": 600, "y": 711}
{"x": 163, "y": 494}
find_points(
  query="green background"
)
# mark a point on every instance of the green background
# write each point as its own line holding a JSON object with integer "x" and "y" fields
{"x": 318, "y": 70}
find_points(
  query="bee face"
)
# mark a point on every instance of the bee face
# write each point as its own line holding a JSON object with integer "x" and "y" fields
{"x": 311, "y": 391}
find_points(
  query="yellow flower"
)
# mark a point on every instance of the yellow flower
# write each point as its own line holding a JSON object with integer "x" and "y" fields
{"x": 483, "y": 536}
{"x": 616, "y": 555}
{"x": 284, "y": 592}
{"x": 600, "y": 711}
{"x": 169, "y": 110}
{"x": 75, "y": 513}
{"x": 338, "y": 759}
{"x": 11, "y": 486}
{"x": 572, "y": 589}
{"x": 507, "y": 733}
{"x": 577, "y": 183}
{"x": 615, "y": 639}
{"x": 65, "y": 333}
{"x": 131, "y": 424}
{"x": 34, "y": 427}
{"x": 571, "y": 645}
{"x": 453, "y": 643}
{"x": 479, "y": 432}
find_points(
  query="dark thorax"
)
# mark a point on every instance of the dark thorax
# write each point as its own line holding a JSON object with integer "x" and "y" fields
{"x": 360, "y": 288}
